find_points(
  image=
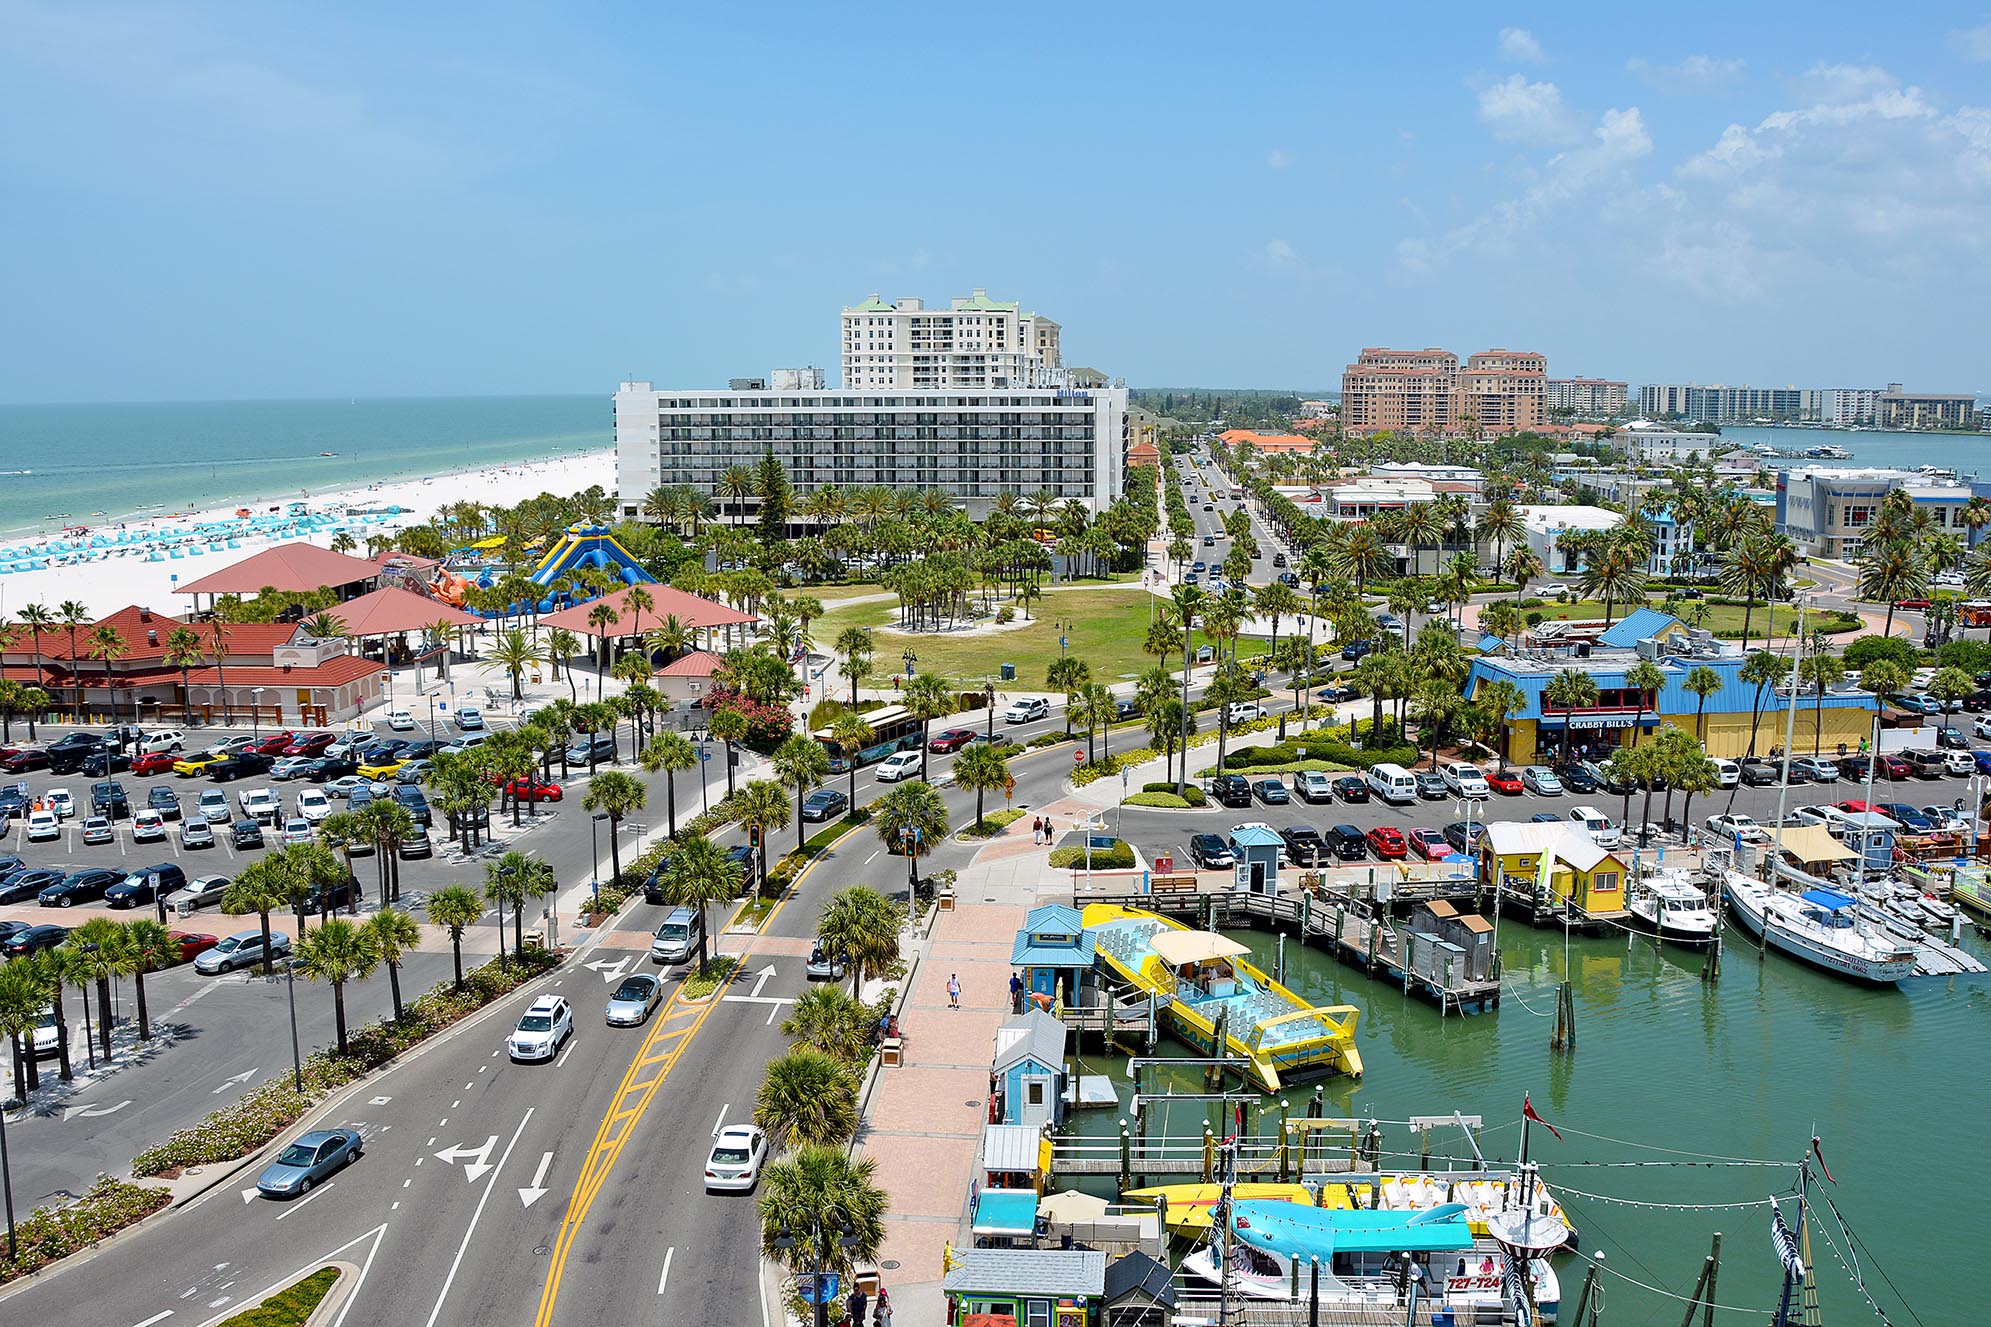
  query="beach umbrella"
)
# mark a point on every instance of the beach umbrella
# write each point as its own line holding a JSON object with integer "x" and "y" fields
{"x": 1071, "y": 1206}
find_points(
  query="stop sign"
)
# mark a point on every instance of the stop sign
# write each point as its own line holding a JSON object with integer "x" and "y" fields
{"x": 1078, "y": 757}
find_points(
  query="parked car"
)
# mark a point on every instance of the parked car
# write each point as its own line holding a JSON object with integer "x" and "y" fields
{"x": 1272, "y": 792}
{"x": 310, "y": 744}
{"x": 470, "y": 719}
{"x": 97, "y": 829}
{"x": 824, "y": 804}
{"x": 313, "y": 1158}
{"x": 34, "y": 940}
{"x": 1505, "y": 782}
{"x": 43, "y": 825}
{"x": 734, "y": 1164}
{"x": 1211, "y": 852}
{"x": 899, "y": 765}
{"x": 292, "y": 767}
{"x": 1242, "y": 711}
{"x": 1755, "y": 772}
{"x": 146, "y": 827}
{"x": 1541, "y": 781}
{"x": 82, "y": 886}
{"x": 1816, "y": 769}
{"x": 601, "y": 747}
{"x": 163, "y": 800}
{"x": 109, "y": 799}
{"x": 1736, "y": 828}
{"x": 241, "y": 950}
{"x": 312, "y": 805}
{"x": 414, "y": 845}
{"x": 100, "y": 764}
{"x": 1431, "y": 785}
{"x": 1348, "y": 843}
{"x": 400, "y": 721}
{"x": 273, "y": 744}
{"x": 1387, "y": 842}
{"x": 1353, "y": 651}
{"x": 26, "y": 758}
{"x": 1230, "y": 790}
{"x": 247, "y": 834}
{"x": 154, "y": 762}
{"x": 542, "y": 1029}
{"x": 241, "y": 766}
{"x": 1304, "y": 844}
{"x": 196, "y": 834}
{"x": 261, "y": 805}
{"x": 145, "y": 885}
{"x": 1466, "y": 780}
{"x": 203, "y": 891}
{"x": 329, "y": 767}
{"x": 1576, "y": 779}
{"x": 1463, "y": 835}
{"x": 1906, "y": 816}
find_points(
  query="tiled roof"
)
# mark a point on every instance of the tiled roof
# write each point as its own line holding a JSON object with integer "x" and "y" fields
{"x": 138, "y": 625}
{"x": 690, "y": 609}
{"x": 298, "y": 567}
{"x": 385, "y": 612}
{"x": 699, "y": 663}
{"x": 1044, "y": 1273}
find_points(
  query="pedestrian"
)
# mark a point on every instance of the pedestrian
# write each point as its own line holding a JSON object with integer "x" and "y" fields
{"x": 1037, "y": 830}
{"x": 1050, "y": 835}
{"x": 882, "y": 1315}
{"x": 1016, "y": 990}
{"x": 855, "y": 1306}
{"x": 953, "y": 991}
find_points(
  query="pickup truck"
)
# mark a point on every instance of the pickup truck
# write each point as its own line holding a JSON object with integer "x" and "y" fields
{"x": 261, "y": 805}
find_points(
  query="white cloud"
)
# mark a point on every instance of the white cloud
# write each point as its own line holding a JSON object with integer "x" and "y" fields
{"x": 1518, "y": 111}
{"x": 1974, "y": 43}
{"x": 1278, "y": 158}
{"x": 1830, "y": 83}
{"x": 1520, "y": 44}
{"x": 1278, "y": 253}
{"x": 1696, "y": 73}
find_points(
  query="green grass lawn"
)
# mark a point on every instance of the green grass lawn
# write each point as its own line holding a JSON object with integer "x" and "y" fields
{"x": 1108, "y": 626}
{"x": 1723, "y": 620}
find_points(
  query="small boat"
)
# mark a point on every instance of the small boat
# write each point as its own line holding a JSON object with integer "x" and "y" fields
{"x": 1365, "y": 1258}
{"x": 1673, "y": 907}
{"x": 1820, "y": 927}
{"x": 328, "y": 453}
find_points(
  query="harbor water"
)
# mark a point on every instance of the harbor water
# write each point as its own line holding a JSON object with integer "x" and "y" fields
{"x": 69, "y": 463}
{"x": 1676, "y": 1085}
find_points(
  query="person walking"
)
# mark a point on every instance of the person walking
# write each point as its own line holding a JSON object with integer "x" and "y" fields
{"x": 855, "y": 1306}
{"x": 1015, "y": 993}
{"x": 882, "y": 1315}
{"x": 953, "y": 991}
{"x": 1037, "y": 830}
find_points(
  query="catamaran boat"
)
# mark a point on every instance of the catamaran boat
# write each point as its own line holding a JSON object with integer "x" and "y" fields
{"x": 1366, "y": 1258}
{"x": 1671, "y": 905}
{"x": 1821, "y": 927}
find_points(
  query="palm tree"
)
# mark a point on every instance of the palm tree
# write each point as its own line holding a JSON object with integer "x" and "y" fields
{"x": 1068, "y": 674}
{"x": 983, "y": 769}
{"x": 1185, "y": 601}
{"x": 1763, "y": 670}
{"x": 851, "y": 734}
{"x": 456, "y": 907}
{"x": 1702, "y": 681}
{"x": 1756, "y": 566}
{"x": 911, "y": 818}
{"x": 700, "y": 873}
{"x": 261, "y": 887}
{"x": 1503, "y": 525}
{"x": 74, "y": 617}
{"x": 801, "y": 763}
{"x": 811, "y": 1195}
{"x": 729, "y": 726}
{"x": 928, "y": 698}
{"x": 761, "y": 806}
{"x": 672, "y": 753}
{"x": 23, "y": 994}
{"x": 562, "y": 645}
{"x": 184, "y": 652}
{"x": 514, "y": 652}
{"x": 1883, "y": 678}
{"x": 1820, "y": 671}
{"x": 324, "y": 626}
{"x": 827, "y": 1020}
{"x": 391, "y": 933}
{"x": 1691, "y": 777}
{"x": 807, "y": 1095}
{"x": 509, "y": 882}
{"x": 107, "y": 643}
{"x": 1645, "y": 678}
{"x": 1570, "y": 690}
{"x": 91, "y": 955}
{"x": 37, "y": 619}
{"x": 337, "y": 952}
{"x": 863, "y": 925}
{"x": 1890, "y": 573}
{"x": 615, "y": 795}
{"x": 148, "y": 947}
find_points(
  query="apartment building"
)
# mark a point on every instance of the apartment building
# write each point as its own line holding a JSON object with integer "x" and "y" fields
{"x": 1587, "y": 398}
{"x": 1850, "y": 406}
{"x": 1896, "y": 409}
{"x": 971, "y": 445}
{"x": 1720, "y": 404}
{"x": 974, "y": 344}
{"x": 1429, "y": 392}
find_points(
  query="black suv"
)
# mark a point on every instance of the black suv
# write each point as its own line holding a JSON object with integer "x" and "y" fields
{"x": 1304, "y": 844}
{"x": 1210, "y": 852}
{"x": 100, "y": 763}
{"x": 411, "y": 799}
{"x": 1231, "y": 790}
{"x": 109, "y": 799}
{"x": 1574, "y": 778}
{"x": 240, "y": 765}
{"x": 1348, "y": 843}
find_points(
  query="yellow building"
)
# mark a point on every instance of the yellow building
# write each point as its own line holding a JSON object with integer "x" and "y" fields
{"x": 1580, "y": 874}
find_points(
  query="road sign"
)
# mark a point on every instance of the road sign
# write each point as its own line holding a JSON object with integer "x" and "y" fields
{"x": 1078, "y": 757}
{"x": 1164, "y": 864}
{"x": 705, "y": 753}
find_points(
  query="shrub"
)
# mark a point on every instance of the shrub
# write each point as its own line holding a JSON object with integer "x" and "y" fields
{"x": 1972, "y": 656}
{"x": 993, "y": 823}
{"x": 49, "y": 1233}
{"x": 1005, "y": 615}
{"x": 1119, "y": 857}
{"x": 767, "y": 724}
{"x": 696, "y": 987}
{"x": 1869, "y": 648}
{"x": 1190, "y": 791}
{"x": 1165, "y": 801}
{"x": 1046, "y": 739}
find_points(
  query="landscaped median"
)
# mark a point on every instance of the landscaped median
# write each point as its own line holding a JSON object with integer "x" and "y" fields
{"x": 290, "y": 1307}
{"x": 262, "y": 1113}
{"x": 50, "y": 1233}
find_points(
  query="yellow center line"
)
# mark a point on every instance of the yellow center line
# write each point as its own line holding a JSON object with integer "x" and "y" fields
{"x": 607, "y": 1146}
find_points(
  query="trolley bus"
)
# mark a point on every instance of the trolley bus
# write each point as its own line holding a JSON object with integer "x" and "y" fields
{"x": 893, "y": 728}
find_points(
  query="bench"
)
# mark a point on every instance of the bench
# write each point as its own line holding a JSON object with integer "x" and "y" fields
{"x": 1172, "y": 884}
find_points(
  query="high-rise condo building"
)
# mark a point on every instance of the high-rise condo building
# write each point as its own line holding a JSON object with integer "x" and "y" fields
{"x": 974, "y": 343}
{"x": 1588, "y": 398}
{"x": 1427, "y": 391}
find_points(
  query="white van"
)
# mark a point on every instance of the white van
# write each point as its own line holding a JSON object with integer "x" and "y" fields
{"x": 1727, "y": 773}
{"x": 1600, "y": 827}
{"x": 1392, "y": 783}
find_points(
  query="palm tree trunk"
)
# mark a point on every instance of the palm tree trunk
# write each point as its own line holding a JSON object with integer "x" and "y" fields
{"x": 65, "y": 1070}
{"x": 339, "y": 1012}
{"x": 518, "y": 928}
{"x": 670, "y": 798}
{"x": 456, "y": 953}
{"x": 144, "y": 1015}
{"x": 394, "y": 986}
{"x": 104, "y": 1015}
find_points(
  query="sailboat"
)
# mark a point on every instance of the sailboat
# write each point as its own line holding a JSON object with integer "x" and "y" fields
{"x": 1821, "y": 927}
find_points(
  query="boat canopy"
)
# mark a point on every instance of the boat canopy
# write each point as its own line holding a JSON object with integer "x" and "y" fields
{"x": 1829, "y": 899}
{"x": 1178, "y": 947}
{"x": 1300, "y": 1232}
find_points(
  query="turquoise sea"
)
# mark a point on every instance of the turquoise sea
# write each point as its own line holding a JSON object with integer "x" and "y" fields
{"x": 60, "y": 463}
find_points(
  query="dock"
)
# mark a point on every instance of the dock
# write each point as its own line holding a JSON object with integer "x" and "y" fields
{"x": 1355, "y": 931}
{"x": 1940, "y": 958}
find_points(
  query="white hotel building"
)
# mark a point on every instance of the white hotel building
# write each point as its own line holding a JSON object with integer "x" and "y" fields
{"x": 976, "y": 343}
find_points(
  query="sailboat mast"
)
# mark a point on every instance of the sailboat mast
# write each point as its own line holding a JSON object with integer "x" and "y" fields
{"x": 1810, "y": 1299}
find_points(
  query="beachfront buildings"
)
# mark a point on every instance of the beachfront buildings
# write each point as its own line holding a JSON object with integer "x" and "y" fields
{"x": 1826, "y": 510}
{"x": 1896, "y": 409}
{"x": 1888, "y": 407}
{"x": 1428, "y": 392}
{"x": 972, "y": 445}
{"x": 1735, "y": 714}
{"x": 974, "y": 344}
{"x": 1586, "y": 398}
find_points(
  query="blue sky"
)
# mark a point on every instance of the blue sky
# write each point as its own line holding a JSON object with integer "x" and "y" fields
{"x": 269, "y": 200}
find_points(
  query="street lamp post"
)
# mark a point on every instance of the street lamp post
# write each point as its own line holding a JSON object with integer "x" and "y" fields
{"x": 820, "y": 1235}
{"x": 7, "y": 1185}
{"x": 296, "y": 1055}
{"x": 594, "y": 855}
{"x": 503, "y": 871}
{"x": 255, "y": 711}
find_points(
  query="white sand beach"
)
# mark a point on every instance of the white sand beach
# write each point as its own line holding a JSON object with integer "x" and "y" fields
{"x": 142, "y": 561}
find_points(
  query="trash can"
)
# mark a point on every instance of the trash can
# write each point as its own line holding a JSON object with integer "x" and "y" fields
{"x": 1009, "y": 672}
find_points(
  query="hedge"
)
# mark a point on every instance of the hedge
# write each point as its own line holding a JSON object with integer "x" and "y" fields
{"x": 1329, "y": 749}
{"x": 1191, "y": 792}
{"x": 49, "y": 1233}
{"x": 1119, "y": 857}
{"x": 262, "y": 1113}
{"x": 290, "y": 1307}
{"x": 1169, "y": 801}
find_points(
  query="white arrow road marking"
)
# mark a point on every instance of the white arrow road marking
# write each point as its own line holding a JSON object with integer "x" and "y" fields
{"x": 763, "y": 977}
{"x": 611, "y": 970}
{"x": 718, "y": 1123}
{"x": 476, "y": 1169}
{"x": 227, "y": 1083}
{"x": 665, "y": 1278}
{"x": 475, "y": 1217}
{"x": 248, "y": 1196}
{"x": 533, "y": 1192}
{"x": 91, "y": 1112}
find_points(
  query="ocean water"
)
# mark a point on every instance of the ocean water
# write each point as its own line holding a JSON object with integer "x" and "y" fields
{"x": 60, "y": 463}
{"x": 1961, "y": 452}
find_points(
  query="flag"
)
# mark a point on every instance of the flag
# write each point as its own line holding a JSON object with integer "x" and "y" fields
{"x": 1543, "y": 863}
{"x": 1785, "y": 1243}
{"x": 1819, "y": 1153}
{"x": 1528, "y": 1110}
{"x": 1237, "y": 1127}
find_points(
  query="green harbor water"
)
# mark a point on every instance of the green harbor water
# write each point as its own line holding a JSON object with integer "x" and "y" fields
{"x": 1689, "y": 1077}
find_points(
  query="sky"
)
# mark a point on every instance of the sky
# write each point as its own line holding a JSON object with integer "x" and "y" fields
{"x": 219, "y": 201}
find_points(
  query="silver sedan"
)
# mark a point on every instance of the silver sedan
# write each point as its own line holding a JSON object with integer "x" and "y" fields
{"x": 312, "y": 1158}
{"x": 634, "y": 1000}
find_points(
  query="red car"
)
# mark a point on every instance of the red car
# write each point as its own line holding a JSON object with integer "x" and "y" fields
{"x": 274, "y": 744}
{"x": 1505, "y": 781}
{"x": 1430, "y": 844}
{"x": 192, "y": 944}
{"x": 1855, "y": 806}
{"x": 26, "y": 758}
{"x": 1386, "y": 841}
{"x": 951, "y": 740}
{"x": 1915, "y": 605}
{"x": 532, "y": 790}
{"x": 310, "y": 744}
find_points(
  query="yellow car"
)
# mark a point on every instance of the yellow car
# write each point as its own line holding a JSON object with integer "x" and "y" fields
{"x": 386, "y": 769}
{"x": 198, "y": 763}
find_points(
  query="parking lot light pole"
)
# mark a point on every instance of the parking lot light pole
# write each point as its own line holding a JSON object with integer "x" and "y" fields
{"x": 255, "y": 711}
{"x": 7, "y": 1186}
{"x": 594, "y": 855}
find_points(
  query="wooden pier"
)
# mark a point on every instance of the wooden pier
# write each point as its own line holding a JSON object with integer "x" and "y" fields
{"x": 1354, "y": 930}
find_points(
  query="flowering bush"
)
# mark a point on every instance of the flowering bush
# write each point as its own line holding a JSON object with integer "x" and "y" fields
{"x": 264, "y": 1112}
{"x": 766, "y": 724}
{"x": 49, "y": 1233}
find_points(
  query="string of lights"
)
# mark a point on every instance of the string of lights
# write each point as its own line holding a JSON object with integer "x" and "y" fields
{"x": 1609, "y": 1270}
{"x": 1853, "y": 1270}
{"x": 1563, "y": 1190}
